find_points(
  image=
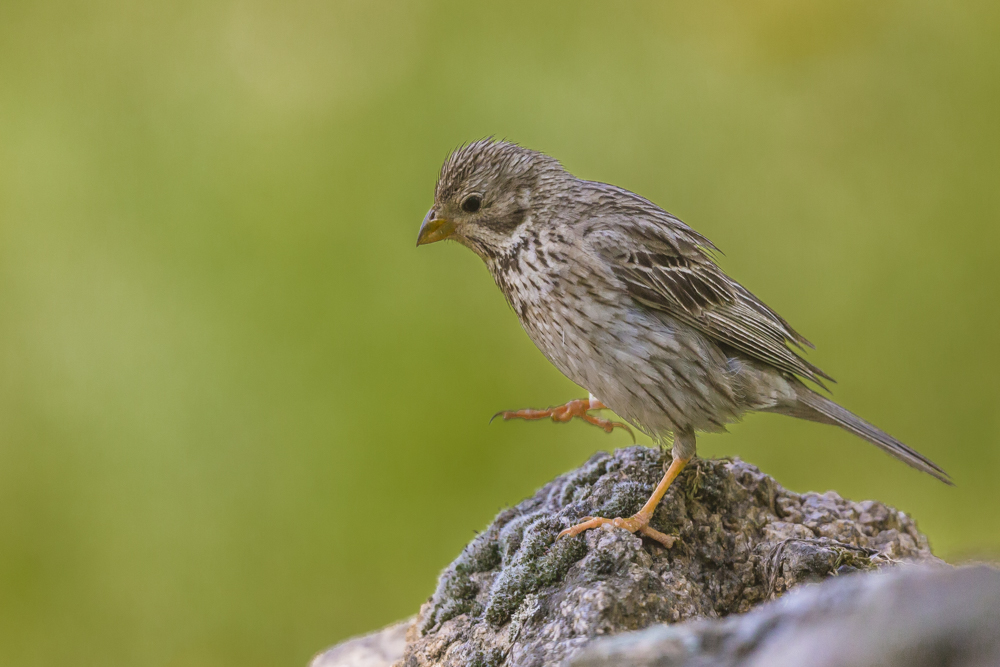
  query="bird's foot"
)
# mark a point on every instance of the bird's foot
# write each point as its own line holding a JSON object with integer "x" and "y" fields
{"x": 563, "y": 413}
{"x": 637, "y": 523}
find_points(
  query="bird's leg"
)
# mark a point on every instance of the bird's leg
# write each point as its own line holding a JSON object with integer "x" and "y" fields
{"x": 638, "y": 522}
{"x": 564, "y": 413}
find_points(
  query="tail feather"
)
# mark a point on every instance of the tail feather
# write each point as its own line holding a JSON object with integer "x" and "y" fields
{"x": 816, "y": 407}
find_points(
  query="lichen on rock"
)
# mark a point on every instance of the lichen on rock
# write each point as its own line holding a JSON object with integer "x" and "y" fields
{"x": 518, "y": 596}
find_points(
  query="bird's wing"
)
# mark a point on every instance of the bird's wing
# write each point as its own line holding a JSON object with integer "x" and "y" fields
{"x": 667, "y": 266}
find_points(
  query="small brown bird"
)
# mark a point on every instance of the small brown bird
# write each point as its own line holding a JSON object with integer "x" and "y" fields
{"x": 627, "y": 301}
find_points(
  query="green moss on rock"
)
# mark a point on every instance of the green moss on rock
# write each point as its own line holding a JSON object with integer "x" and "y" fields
{"x": 517, "y": 595}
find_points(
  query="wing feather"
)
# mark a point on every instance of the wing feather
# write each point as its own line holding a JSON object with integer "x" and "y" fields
{"x": 667, "y": 266}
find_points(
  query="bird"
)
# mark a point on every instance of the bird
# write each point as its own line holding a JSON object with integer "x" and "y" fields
{"x": 629, "y": 303}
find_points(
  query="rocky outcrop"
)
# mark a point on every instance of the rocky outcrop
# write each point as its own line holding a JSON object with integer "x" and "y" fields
{"x": 378, "y": 649}
{"x": 911, "y": 617}
{"x": 518, "y": 596}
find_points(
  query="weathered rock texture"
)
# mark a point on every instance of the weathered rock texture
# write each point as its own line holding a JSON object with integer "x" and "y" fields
{"x": 378, "y": 649}
{"x": 517, "y": 596}
{"x": 912, "y": 617}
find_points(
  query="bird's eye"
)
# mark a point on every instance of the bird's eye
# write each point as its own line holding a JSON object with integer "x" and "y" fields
{"x": 472, "y": 203}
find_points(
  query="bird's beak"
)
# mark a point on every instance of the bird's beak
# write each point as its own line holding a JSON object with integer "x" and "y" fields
{"x": 434, "y": 229}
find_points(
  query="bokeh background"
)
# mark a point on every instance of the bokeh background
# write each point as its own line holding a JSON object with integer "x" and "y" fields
{"x": 242, "y": 417}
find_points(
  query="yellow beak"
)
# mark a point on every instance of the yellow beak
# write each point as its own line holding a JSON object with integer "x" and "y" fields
{"x": 434, "y": 229}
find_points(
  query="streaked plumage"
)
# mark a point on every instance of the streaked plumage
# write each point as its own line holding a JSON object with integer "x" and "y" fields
{"x": 628, "y": 301}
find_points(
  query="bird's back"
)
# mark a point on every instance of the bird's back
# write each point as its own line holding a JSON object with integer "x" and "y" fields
{"x": 649, "y": 367}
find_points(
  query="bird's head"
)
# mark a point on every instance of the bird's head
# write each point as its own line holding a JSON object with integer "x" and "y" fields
{"x": 484, "y": 195}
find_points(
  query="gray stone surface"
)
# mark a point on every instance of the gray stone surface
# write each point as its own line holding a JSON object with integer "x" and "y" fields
{"x": 378, "y": 649}
{"x": 517, "y": 596}
{"x": 915, "y": 616}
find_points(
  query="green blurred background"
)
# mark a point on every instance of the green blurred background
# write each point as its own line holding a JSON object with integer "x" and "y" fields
{"x": 242, "y": 417}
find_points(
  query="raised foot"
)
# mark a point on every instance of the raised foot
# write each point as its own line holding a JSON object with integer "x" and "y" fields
{"x": 563, "y": 413}
{"x": 634, "y": 524}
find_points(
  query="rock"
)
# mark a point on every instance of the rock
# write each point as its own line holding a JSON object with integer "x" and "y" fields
{"x": 378, "y": 649}
{"x": 517, "y": 596}
{"x": 916, "y": 616}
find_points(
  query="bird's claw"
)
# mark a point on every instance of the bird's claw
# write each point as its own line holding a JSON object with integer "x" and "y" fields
{"x": 608, "y": 425}
{"x": 633, "y": 524}
{"x": 563, "y": 413}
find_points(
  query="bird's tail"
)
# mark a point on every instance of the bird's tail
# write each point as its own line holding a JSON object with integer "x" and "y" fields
{"x": 818, "y": 408}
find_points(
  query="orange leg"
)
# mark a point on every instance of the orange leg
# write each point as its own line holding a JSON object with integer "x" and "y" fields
{"x": 563, "y": 413}
{"x": 640, "y": 520}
